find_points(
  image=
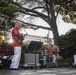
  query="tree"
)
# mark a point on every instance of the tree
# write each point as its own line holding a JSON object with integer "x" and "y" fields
{"x": 47, "y": 10}
{"x": 69, "y": 39}
{"x": 48, "y": 16}
{"x": 68, "y": 42}
{"x": 7, "y": 13}
{"x": 68, "y": 10}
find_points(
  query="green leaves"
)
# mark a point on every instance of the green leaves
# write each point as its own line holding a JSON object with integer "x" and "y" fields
{"x": 69, "y": 39}
{"x": 68, "y": 11}
{"x": 68, "y": 43}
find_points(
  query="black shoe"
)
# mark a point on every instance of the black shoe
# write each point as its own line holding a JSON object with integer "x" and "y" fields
{"x": 15, "y": 69}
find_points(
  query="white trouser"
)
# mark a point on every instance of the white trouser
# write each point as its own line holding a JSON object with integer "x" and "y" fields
{"x": 74, "y": 59}
{"x": 16, "y": 57}
{"x": 54, "y": 59}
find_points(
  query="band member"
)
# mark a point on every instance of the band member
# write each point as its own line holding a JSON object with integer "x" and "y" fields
{"x": 17, "y": 43}
{"x": 48, "y": 53}
{"x": 54, "y": 56}
{"x": 49, "y": 49}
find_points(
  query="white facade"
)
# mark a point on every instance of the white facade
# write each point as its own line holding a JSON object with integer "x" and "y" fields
{"x": 37, "y": 38}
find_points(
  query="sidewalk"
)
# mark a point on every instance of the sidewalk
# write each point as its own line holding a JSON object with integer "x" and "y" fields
{"x": 47, "y": 71}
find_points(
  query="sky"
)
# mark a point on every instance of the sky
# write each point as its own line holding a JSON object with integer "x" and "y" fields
{"x": 62, "y": 28}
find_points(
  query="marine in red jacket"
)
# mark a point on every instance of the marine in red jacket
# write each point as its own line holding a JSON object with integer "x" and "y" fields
{"x": 16, "y": 36}
{"x": 17, "y": 47}
{"x": 48, "y": 48}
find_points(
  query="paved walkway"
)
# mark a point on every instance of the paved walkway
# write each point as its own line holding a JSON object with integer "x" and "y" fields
{"x": 49, "y": 71}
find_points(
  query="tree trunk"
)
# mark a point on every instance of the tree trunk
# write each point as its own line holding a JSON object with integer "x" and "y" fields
{"x": 55, "y": 32}
{"x": 56, "y": 36}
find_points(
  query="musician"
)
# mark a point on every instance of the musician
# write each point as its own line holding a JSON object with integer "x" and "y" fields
{"x": 17, "y": 43}
{"x": 54, "y": 56}
{"x": 48, "y": 52}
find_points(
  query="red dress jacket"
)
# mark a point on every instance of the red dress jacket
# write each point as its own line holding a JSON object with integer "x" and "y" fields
{"x": 48, "y": 49}
{"x": 16, "y": 33}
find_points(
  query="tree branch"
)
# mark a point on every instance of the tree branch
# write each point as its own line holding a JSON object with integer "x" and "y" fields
{"x": 39, "y": 8}
{"x": 29, "y": 24}
{"x": 29, "y": 10}
{"x": 57, "y": 12}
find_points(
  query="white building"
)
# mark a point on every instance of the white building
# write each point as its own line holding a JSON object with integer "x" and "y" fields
{"x": 37, "y": 38}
